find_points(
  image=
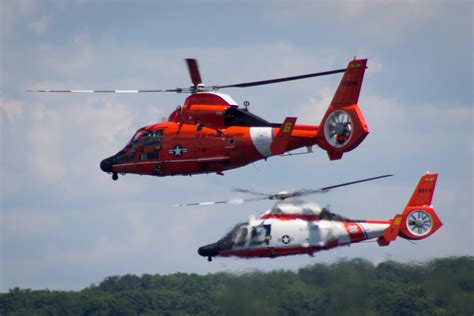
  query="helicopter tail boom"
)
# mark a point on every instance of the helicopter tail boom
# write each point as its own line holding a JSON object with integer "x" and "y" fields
{"x": 343, "y": 126}
{"x": 419, "y": 219}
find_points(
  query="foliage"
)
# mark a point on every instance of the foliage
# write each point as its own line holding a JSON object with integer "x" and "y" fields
{"x": 348, "y": 287}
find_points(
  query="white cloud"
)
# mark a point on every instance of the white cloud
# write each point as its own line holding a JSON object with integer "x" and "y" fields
{"x": 21, "y": 224}
{"x": 45, "y": 138}
{"x": 13, "y": 13}
{"x": 106, "y": 123}
{"x": 39, "y": 26}
{"x": 59, "y": 59}
{"x": 11, "y": 109}
{"x": 388, "y": 19}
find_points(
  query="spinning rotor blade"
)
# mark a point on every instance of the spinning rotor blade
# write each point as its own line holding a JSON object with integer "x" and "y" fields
{"x": 250, "y": 192}
{"x": 282, "y": 195}
{"x": 233, "y": 201}
{"x": 326, "y": 189}
{"x": 178, "y": 90}
{"x": 194, "y": 71}
{"x": 286, "y": 195}
{"x": 197, "y": 83}
{"x": 277, "y": 80}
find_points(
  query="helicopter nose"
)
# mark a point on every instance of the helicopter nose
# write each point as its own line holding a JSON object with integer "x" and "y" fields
{"x": 211, "y": 250}
{"x": 106, "y": 165}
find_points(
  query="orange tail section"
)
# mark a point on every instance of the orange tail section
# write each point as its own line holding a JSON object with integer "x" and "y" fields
{"x": 343, "y": 126}
{"x": 424, "y": 191}
{"x": 419, "y": 219}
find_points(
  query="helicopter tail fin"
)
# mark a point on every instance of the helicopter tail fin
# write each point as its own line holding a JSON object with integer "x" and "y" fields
{"x": 280, "y": 142}
{"x": 419, "y": 219}
{"x": 343, "y": 126}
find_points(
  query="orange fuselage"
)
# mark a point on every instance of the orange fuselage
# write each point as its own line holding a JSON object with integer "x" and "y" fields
{"x": 186, "y": 149}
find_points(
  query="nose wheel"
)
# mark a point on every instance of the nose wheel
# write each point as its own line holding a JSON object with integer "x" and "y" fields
{"x": 209, "y": 259}
{"x": 115, "y": 176}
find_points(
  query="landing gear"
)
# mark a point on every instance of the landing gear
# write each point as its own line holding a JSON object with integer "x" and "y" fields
{"x": 209, "y": 259}
{"x": 115, "y": 176}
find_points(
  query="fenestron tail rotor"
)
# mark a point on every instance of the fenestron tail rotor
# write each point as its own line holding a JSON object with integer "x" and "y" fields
{"x": 338, "y": 128}
{"x": 198, "y": 86}
{"x": 280, "y": 196}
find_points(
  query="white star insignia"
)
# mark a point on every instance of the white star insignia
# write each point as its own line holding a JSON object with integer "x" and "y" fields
{"x": 177, "y": 151}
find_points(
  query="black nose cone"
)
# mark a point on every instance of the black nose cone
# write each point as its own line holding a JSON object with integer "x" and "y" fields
{"x": 106, "y": 165}
{"x": 211, "y": 250}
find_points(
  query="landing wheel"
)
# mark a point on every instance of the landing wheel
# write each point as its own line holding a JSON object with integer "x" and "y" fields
{"x": 115, "y": 176}
{"x": 209, "y": 259}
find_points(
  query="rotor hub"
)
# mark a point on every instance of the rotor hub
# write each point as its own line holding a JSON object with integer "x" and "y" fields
{"x": 340, "y": 128}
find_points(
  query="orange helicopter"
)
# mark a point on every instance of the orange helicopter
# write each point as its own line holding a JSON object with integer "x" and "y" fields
{"x": 210, "y": 133}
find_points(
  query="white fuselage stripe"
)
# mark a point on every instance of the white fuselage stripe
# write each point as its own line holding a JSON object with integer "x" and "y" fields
{"x": 262, "y": 138}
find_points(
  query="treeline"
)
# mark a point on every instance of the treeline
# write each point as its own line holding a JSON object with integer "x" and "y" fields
{"x": 348, "y": 287}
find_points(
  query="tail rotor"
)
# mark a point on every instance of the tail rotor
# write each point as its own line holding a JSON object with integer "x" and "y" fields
{"x": 343, "y": 126}
{"x": 338, "y": 129}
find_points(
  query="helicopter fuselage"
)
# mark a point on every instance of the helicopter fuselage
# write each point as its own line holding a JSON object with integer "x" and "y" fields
{"x": 274, "y": 237}
{"x": 184, "y": 149}
{"x": 304, "y": 231}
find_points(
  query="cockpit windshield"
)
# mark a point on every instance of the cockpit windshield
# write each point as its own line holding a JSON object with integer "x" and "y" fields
{"x": 237, "y": 236}
{"x": 131, "y": 148}
{"x": 135, "y": 138}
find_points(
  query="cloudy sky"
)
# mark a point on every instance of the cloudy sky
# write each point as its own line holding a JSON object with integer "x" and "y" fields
{"x": 65, "y": 224}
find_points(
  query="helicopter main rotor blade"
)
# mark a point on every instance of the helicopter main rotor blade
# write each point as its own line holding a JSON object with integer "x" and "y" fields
{"x": 326, "y": 189}
{"x": 251, "y": 192}
{"x": 282, "y": 195}
{"x": 178, "y": 90}
{"x": 277, "y": 80}
{"x": 233, "y": 201}
{"x": 197, "y": 83}
{"x": 194, "y": 71}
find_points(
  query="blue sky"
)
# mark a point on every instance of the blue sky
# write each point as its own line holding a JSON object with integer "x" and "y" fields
{"x": 66, "y": 225}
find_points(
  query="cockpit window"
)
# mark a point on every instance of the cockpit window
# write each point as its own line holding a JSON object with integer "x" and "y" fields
{"x": 132, "y": 147}
{"x": 241, "y": 236}
{"x": 237, "y": 236}
{"x": 135, "y": 138}
{"x": 152, "y": 138}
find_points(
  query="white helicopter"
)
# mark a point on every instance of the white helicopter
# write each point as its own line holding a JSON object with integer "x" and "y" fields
{"x": 295, "y": 226}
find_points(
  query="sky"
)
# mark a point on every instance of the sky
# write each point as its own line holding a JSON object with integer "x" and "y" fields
{"x": 66, "y": 225}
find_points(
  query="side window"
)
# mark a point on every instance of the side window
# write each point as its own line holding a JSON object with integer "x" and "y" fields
{"x": 260, "y": 235}
{"x": 149, "y": 155}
